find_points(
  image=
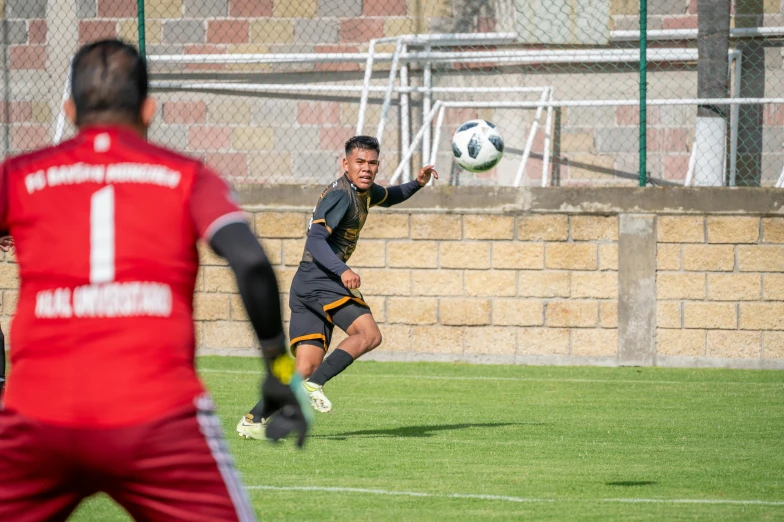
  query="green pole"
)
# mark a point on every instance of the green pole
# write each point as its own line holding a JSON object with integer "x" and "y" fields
{"x": 643, "y": 89}
{"x": 140, "y": 21}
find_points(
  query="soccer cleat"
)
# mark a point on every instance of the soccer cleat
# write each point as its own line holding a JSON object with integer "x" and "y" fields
{"x": 251, "y": 430}
{"x": 318, "y": 400}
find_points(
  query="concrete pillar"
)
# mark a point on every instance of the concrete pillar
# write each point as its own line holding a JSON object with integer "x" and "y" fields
{"x": 712, "y": 82}
{"x": 750, "y": 13}
{"x": 637, "y": 290}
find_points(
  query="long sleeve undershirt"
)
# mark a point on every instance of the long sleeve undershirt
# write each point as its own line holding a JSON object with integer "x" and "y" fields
{"x": 321, "y": 251}
{"x": 257, "y": 284}
{"x": 399, "y": 193}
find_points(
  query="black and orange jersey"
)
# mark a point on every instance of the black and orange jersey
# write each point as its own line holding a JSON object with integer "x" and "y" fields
{"x": 343, "y": 209}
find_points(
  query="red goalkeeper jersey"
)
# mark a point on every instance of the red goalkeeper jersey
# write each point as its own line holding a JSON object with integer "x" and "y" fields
{"x": 105, "y": 227}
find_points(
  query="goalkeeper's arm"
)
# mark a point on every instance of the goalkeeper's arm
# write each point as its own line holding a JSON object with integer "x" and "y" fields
{"x": 259, "y": 291}
{"x": 256, "y": 282}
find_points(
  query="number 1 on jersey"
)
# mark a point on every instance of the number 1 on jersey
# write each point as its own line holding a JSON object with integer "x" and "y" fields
{"x": 102, "y": 236}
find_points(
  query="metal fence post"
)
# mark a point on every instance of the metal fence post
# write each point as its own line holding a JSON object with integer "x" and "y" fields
{"x": 643, "y": 89}
{"x": 140, "y": 23}
{"x": 6, "y": 71}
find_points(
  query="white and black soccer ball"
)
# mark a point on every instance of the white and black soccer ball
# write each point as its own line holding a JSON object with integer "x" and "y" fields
{"x": 477, "y": 145}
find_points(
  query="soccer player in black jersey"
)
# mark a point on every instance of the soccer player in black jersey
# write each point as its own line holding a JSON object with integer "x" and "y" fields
{"x": 325, "y": 291}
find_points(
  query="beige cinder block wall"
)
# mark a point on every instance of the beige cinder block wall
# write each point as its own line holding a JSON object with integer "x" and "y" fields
{"x": 667, "y": 277}
{"x": 607, "y": 276}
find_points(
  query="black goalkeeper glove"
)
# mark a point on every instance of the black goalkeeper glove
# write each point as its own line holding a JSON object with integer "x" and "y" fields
{"x": 286, "y": 405}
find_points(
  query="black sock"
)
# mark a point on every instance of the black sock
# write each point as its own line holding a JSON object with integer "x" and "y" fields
{"x": 256, "y": 411}
{"x": 332, "y": 366}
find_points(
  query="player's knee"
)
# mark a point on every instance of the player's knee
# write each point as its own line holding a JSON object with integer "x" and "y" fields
{"x": 308, "y": 358}
{"x": 310, "y": 369}
{"x": 306, "y": 368}
{"x": 373, "y": 339}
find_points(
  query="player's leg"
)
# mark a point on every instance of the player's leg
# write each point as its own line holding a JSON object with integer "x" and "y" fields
{"x": 182, "y": 471}
{"x": 358, "y": 322}
{"x": 309, "y": 356}
{"x": 310, "y": 334}
{"x": 36, "y": 481}
{"x": 363, "y": 336}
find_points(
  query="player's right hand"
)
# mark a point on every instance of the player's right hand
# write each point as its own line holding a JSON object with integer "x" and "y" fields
{"x": 286, "y": 405}
{"x": 350, "y": 279}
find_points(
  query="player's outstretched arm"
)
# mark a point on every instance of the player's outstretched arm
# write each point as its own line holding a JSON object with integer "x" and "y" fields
{"x": 284, "y": 400}
{"x": 399, "y": 193}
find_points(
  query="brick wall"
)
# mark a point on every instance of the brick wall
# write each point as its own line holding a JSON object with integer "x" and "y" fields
{"x": 297, "y": 138}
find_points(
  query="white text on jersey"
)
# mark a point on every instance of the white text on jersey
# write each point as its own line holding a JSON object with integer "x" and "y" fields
{"x": 116, "y": 173}
{"x": 129, "y": 299}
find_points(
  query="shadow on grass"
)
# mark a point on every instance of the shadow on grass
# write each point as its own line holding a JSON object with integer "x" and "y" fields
{"x": 417, "y": 431}
{"x": 631, "y": 483}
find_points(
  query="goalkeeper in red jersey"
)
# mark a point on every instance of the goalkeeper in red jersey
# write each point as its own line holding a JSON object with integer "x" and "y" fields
{"x": 104, "y": 394}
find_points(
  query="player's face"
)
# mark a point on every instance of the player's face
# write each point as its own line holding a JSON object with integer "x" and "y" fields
{"x": 362, "y": 167}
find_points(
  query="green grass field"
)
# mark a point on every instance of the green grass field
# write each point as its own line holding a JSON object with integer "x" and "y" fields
{"x": 438, "y": 441}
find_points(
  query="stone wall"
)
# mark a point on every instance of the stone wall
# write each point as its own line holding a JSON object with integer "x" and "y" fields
{"x": 720, "y": 287}
{"x": 667, "y": 277}
{"x": 474, "y": 284}
{"x": 546, "y": 276}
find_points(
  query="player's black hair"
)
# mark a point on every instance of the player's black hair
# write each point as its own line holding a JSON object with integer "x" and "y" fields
{"x": 363, "y": 143}
{"x": 108, "y": 81}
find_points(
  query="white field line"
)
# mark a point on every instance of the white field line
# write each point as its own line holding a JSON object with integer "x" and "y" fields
{"x": 506, "y": 498}
{"x": 400, "y": 493}
{"x": 512, "y": 379}
{"x": 694, "y": 501}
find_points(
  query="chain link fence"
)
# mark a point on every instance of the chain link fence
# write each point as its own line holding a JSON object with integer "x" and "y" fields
{"x": 267, "y": 91}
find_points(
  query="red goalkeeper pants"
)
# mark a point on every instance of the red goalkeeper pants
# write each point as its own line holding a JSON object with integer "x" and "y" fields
{"x": 174, "y": 468}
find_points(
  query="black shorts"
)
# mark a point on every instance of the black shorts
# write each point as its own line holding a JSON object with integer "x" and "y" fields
{"x": 318, "y": 303}
{"x": 311, "y": 324}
